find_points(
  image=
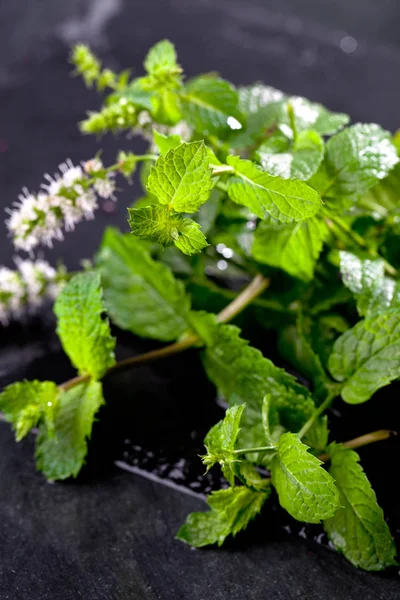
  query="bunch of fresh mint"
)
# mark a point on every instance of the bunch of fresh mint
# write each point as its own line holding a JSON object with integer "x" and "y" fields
{"x": 243, "y": 189}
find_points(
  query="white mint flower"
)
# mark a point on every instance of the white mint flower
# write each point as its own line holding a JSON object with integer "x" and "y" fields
{"x": 144, "y": 118}
{"x": 26, "y": 288}
{"x": 93, "y": 165}
{"x": 105, "y": 187}
{"x": 65, "y": 199}
{"x": 70, "y": 173}
{"x": 12, "y": 293}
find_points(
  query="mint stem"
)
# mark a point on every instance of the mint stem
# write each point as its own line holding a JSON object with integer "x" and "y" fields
{"x": 292, "y": 121}
{"x": 259, "y": 449}
{"x": 321, "y": 409}
{"x": 254, "y": 289}
{"x": 364, "y": 440}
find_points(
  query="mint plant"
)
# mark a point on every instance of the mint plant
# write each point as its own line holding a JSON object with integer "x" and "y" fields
{"x": 243, "y": 188}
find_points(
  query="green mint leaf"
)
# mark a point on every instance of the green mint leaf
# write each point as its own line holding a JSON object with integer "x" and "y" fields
{"x": 366, "y": 279}
{"x": 304, "y": 488}
{"x": 311, "y": 115}
{"x": 250, "y": 477}
{"x": 293, "y": 247}
{"x": 62, "y": 455}
{"x": 282, "y": 157}
{"x": 25, "y": 403}
{"x": 266, "y": 107}
{"x": 358, "y": 529}
{"x": 158, "y": 224}
{"x": 243, "y": 375}
{"x": 220, "y": 441}
{"x": 182, "y": 178}
{"x": 161, "y": 60}
{"x": 140, "y": 293}
{"x": 355, "y": 160}
{"x": 367, "y": 357}
{"x": 231, "y": 511}
{"x": 210, "y": 106}
{"x": 166, "y": 142}
{"x": 266, "y": 195}
{"x": 84, "y": 334}
{"x": 261, "y": 106}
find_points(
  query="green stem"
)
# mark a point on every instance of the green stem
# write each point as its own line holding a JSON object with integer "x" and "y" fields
{"x": 116, "y": 166}
{"x": 364, "y": 440}
{"x": 252, "y": 291}
{"x": 292, "y": 121}
{"x": 321, "y": 409}
{"x": 257, "y": 449}
{"x": 221, "y": 169}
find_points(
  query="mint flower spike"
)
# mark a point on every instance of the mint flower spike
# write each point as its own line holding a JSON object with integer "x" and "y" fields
{"x": 25, "y": 289}
{"x": 67, "y": 198}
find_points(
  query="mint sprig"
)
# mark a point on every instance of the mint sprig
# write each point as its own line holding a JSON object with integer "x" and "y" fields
{"x": 256, "y": 206}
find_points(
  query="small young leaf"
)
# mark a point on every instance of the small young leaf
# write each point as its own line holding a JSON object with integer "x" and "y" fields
{"x": 62, "y": 455}
{"x": 266, "y": 195}
{"x": 84, "y": 334}
{"x": 140, "y": 293}
{"x": 300, "y": 159}
{"x": 24, "y": 403}
{"x": 158, "y": 224}
{"x": 210, "y": 106}
{"x": 182, "y": 178}
{"x": 231, "y": 511}
{"x": 355, "y": 160}
{"x": 161, "y": 60}
{"x": 367, "y": 357}
{"x": 220, "y": 441}
{"x": 191, "y": 240}
{"x": 293, "y": 247}
{"x": 358, "y": 529}
{"x": 304, "y": 488}
{"x": 366, "y": 279}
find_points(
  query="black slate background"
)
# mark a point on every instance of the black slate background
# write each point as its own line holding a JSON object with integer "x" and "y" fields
{"x": 110, "y": 535}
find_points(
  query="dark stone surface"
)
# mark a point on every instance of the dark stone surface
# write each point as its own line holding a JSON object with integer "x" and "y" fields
{"x": 110, "y": 535}
{"x": 113, "y": 539}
